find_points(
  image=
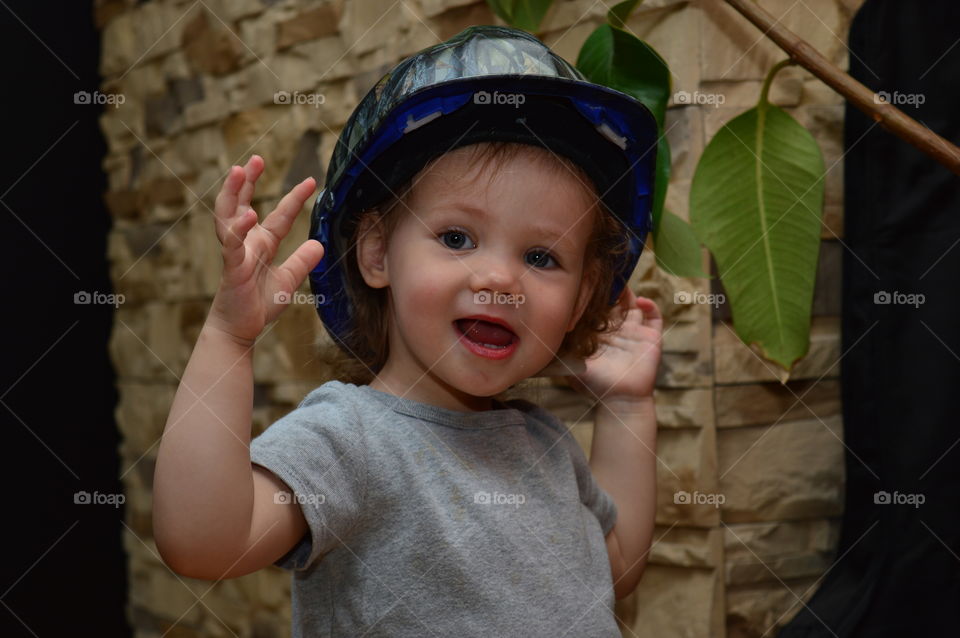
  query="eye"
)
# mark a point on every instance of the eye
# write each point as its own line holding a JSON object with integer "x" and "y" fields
{"x": 456, "y": 239}
{"x": 540, "y": 258}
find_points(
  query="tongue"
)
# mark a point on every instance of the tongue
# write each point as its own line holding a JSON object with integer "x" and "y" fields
{"x": 485, "y": 332}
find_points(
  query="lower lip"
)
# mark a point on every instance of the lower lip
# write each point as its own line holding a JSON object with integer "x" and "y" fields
{"x": 483, "y": 351}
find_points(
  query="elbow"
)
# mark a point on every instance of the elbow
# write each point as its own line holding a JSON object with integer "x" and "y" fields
{"x": 628, "y": 581}
{"x": 184, "y": 565}
{"x": 177, "y": 560}
{"x": 623, "y": 589}
{"x": 183, "y": 559}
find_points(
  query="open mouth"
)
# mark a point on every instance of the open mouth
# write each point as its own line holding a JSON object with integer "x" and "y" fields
{"x": 485, "y": 333}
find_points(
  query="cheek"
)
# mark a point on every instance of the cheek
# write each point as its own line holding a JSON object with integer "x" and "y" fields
{"x": 425, "y": 292}
{"x": 551, "y": 310}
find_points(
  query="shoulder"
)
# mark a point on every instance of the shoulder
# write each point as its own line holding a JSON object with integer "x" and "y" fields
{"x": 332, "y": 392}
{"x": 328, "y": 410}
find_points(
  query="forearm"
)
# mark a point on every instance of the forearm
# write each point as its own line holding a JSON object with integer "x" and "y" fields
{"x": 203, "y": 482}
{"x": 623, "y": 461}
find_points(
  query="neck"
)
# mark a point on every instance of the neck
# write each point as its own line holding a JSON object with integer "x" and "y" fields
{"x": 428, "y": 388}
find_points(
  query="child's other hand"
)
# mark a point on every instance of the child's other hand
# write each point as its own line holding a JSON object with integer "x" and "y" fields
{"x": 625, "y": 367}
{"x": 252, "y": 290}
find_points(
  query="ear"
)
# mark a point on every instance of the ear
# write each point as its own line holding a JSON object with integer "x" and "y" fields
{"x": 372, "y": 252}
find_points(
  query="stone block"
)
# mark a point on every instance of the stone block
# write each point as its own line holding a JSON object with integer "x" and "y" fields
{"x": 367, "y": 24}
{"x": 756, "y": 610}
{"x": 210, "y": 45}
{"x": 768, "y": 403}
{"x": 684, "y": 407}
{"x": 433, "y": 8}
{"x": 561, "y": 16}
{"x": 687, "y": 547}
{"x": 319, "y": 22}
{"x": 792, "y": 470}
{"x": 737, "y": 50}
{"x": 455, "y": 19}
{"x": 686, "y": 477}
{"x": 674, "y": 601}
{"x": 779, "y": 551}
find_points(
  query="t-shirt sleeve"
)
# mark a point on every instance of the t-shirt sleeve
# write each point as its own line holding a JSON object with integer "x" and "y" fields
{"x": 592, "y": 495}
{"x": 319, "y": 451}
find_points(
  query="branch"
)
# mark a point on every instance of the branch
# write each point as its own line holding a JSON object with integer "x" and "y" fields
{"x": 889, "y": 117}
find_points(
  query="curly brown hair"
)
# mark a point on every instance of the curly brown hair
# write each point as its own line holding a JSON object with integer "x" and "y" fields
{"x": 367, "y": 342}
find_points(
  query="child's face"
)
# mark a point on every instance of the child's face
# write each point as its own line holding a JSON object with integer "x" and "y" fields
{"x": 463, "y": 238}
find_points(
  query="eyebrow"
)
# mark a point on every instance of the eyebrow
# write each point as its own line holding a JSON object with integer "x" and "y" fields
{"x": 562, "y": 239}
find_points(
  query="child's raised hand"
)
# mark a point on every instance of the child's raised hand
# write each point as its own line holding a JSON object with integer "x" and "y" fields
{"x": 625, "y": 367}
{"x": 252, "y": 290}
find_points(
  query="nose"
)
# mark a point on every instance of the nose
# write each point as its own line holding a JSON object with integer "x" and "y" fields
{"x": 495, "y": 272}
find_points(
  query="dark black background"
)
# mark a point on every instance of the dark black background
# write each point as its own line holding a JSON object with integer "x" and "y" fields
{"x": 64, "y": 570}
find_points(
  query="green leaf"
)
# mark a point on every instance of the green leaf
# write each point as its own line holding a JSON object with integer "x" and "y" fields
{"x": 676, "y": 247}
{"x": 522, "y": 14}
{"x": 619, "y": 60}
{"x": 618, "y": 14}
{"x": 661, "y": 180}
{"x": 756, "y": 202}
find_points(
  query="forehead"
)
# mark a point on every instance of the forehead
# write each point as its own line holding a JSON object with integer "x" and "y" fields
{"x": 532, "y": 190}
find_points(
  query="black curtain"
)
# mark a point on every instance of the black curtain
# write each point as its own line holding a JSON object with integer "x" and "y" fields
{"x": 897, "y": 568}
{"x": 64, "y": 570}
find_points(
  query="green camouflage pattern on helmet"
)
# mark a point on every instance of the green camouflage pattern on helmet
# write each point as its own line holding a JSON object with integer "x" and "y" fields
{"x": 484, "y": 50}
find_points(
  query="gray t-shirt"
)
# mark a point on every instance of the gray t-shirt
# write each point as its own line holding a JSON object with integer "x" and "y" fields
{"x": 425, "y": 521}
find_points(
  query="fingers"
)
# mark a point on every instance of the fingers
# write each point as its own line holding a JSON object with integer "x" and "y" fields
{"x": 281, "y": 219}
{"x": 303, "y": 260}
{"x": 251, "y": 172}
{"x": 225, "y": 206}
{"x": 236, "y": 232}
{"x": 235, "y": 194}
{"x": 651, "y": 312}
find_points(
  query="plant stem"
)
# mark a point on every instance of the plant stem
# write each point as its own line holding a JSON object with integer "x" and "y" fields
{"x": 889, "y": 117}
{"x": 769, "y": 79}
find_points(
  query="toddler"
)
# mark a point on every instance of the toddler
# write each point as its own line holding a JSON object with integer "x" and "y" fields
{"x": 483, "y": 210}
